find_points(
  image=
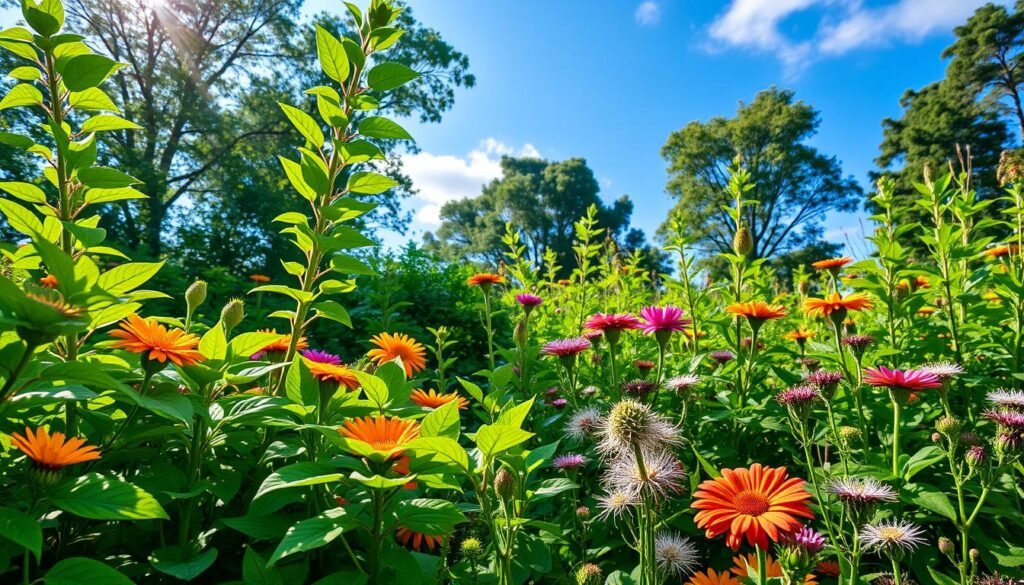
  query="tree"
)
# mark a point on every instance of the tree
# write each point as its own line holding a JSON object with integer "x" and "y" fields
{"x": 987, "y": 57}
{"x": 935, "y": 121}
{"x": 194, "y": 66}
{"x": 542, "y": 200}
{"x": 794, "y": 184}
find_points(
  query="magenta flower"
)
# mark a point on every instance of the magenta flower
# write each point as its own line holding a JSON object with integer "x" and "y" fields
{"x": 559, "y": 403}
{"x": 798, "y": 396}
{"x": 321, "y": 357}
{"x": 669, "y": 319}
{"x": 806, "y": 539}
{"x": 722, "y": 356}
{"x": 1006, "y": 418}
{"x": 592, "y": 335}
{"x": 910, "y": 380}
{"x": 528, "y": 300}
{"x": 569, "y": 461}
{"x": 566, "y": 347}
{"x": 605, "y": 322}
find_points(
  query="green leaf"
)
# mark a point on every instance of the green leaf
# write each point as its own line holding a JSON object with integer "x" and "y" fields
{"x": 213, "y": 344}
{"x": 105, "y": 178}
{"x": 443, "y": 421}
{"x": 182, "y": 563}
{"x": 332, "y": 55}
{"x": 256, "y": 572}
{"x": 27, "y": 73}
{"x": 388, "y": 76}
{"x": 21, "y": 529}
{"x": 293, "y": 171}
{"x": 369, "y": 183}
{"x": 378, "y": 127}
{"x": 85, "y": 71}
{"x": 429, "y": 516}
{"x": 246, "y": 344}
{"x": 97, "y": 196}
{"x": 24, "y": 191}
{"x": 83, "y": 571}
{"x": 107, "y": 123}
{"x": 375, "y": 388}
{"x": 20, "y": 219}
{"x": 300, "y": 385}
{"x": 99, "y": 497}
{"x": 516, "y": 415}
{"x": 92, "y": 99}
{"x": 495, "y": 439}
{"x": 22, "y": 94}
{"x": 127, "y": 277}
{"x": 304, "y": 123}
{"x": 932, "y": 499}
{"x": 334, "y": 311}
{"x": 346, "y": 264}
{"x": 298, "y": 475}
{"x": 358, "y": 151}
{"x": 384, "y": 37}
{"x": 443, "y": 449}
{"x": 46, "y": 17}
{"x": 313, "y": 533}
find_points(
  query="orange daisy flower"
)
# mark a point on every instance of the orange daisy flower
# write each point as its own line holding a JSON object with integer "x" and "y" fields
{"x": 757, "y": 503}
{"x": 832, "y": 263}
{"x": 757, "y": 310}
{"x": 385, "y": 435}
{"x": 800, "y": 335}
{"x": 280, "y": 345}
{"x": 712, "y": 577}
{"x": 925, "y": 311}
{"x": 139, "y": 335}
{"x": 392, "y": 346}
{"x": 913, "y": 283}
{"x": 1000, "y": 251}
{"x": 416, "y": 540}
{"x": 48, "y": 281}
{"x": 52, "y": 451}
{"x": 828, "y": 568}
{"x": 337, "y": 373}
{"x": 834, "y": 302}
{"x": 485, "y": 279}
{"x": 743, "y": 563}
{"x": 431, "y": 399}
{"x": 260, "y": 278}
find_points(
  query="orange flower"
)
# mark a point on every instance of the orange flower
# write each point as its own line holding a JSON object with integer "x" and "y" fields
{"x": 992, "y": 297}
{"x": 52, "y": 451}
{"x": 757, "y": 310}
{"x": 913, "y": 283}
{"x": 832, "y": 263}
{"x": 799, "y": 335}
{"x": 485, "y": 279}
{"x": 48, "y": 281}
{"x": 416, "y": 540}
{"x": 712, "y": 577}
{"x": 139, "y": 335}
{"x": 757, "y": 503}
{"x": 1000, "y": 251}
{"x": 925, "y": 311}
{"x": 828, "y": 568}
{"x": 431, "y": 399}
{"x": 280, "y": 345}
{"x": 261, "y": 278}
{"x": 337, "y": 373}
{"x": 743, "y": 563}
{"x": 834, "y": 302}
{"x": 385, "y": 435}
{"x": 392, "y": 346}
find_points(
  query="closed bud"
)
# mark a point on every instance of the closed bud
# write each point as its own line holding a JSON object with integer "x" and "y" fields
{"x": 505, "y": 484}
{"x": 520, "y": 333}
{"x": 589, "y": 574}
{"x": 583, "y": 513}
{"x": 233, "y": 313}
{"x": 472, "y": 549}
{"x": 742, "y": 243}
{"x": 975, "y": 556}
{"x": 948, "y": 426}
{"x": 936, "y": 437}
{"x": 976, "y": 455}
{"x": 804, "y": 287}
{"x": 195, "y": 295}
{"x": 946, "y": 546}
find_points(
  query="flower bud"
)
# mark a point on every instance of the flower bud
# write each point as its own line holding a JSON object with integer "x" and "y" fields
{"x": 505, "y": 484}
{"x": 583, "y": 513}
{"x": 848, "y": 436}
{"x": 976, "y": 455}
{"x": 946, "y": 547}
{"x": 936, "y": 437}
{"x": 742, "y": 243}
{"x": 233, "y": 313}
{"x": 975, "y": 556}
{"x": 520, "y": 334}
{"x": 195, "y": 295}
{"x": 589, "y": 574}
{"x": 472, "y": 549}
{"x": 948, "y": 426}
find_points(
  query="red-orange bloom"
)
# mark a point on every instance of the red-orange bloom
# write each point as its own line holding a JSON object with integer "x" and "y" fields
{"x": 757, "y": 310}
{"x": 757, "y": 503}
{"x": 835, "y": 302}
{"x": 742, "y": 564}
{"x": 52, "y": 451}
{"x": 260, "y": 278}
{"x": 48, "y": 281}
{"x": 337, "y": 373}
{"x": 832, "y": 263}
{"x": 1000, "y": 251}
{"x": 281, "y": 344}
{"x": 800, "y": 334}
{"x": 139, "y": 335}
{"x": 392, "y": 346}
{"x": 485, "y": 279}
{"x": 382, "y": 433}
{"x": 431, "y": 399}
{"x": 712, "y": 577}
{"x": 416, "y": 540}
{"x": 828, "y": 568}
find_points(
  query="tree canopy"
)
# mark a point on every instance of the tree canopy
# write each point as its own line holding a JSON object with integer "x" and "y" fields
{"x": 794, "y": 183}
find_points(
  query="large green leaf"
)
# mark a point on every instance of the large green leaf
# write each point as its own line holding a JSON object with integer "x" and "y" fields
{"x": 389, "y": 76}
{"x": 297, "y": 475}
{"x": 83, "y": 571}
{"x": 182, "y": 563}
{"x": 127, "y": 277}
{"x": 256, "y": 572}
{"x": 378, "y": 127}
{"x": 21, "y": 529}
{"x": 443, "y": 421}
{"x": 85, "y": 71}
{"x": 429, "y": 516}
{"x": 22, "y": 94}
{"x": 331, "y": 53}
{"x": 101, "y": 497}
{"x": 369, "y": 183}
{"x": 495, "y": 439}
{"x": 24, "y": 191}
{"x": 314, "y": 533}
{"x": 304, "y": 123}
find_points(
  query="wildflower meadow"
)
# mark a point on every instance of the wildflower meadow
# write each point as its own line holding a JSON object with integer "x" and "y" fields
{"x": 858, "y": 421}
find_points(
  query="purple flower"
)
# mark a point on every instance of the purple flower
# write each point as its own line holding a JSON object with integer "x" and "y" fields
{"x": 528, "y": 300}
{"x": 722, "y": 356}
{"x": 668, "y": 318}
{"x": 823, "y": 378}
{"x": 639, "y": 388}
{"x": 321, "y": 357}
{"x": 559, "y": 403}
{"x": 798, "y": 396}
{"x": 807, "y": 539}
{"x": 569, "y": 461}
{"x": 1008, "y": 419}
{"x": 566, "y": 347}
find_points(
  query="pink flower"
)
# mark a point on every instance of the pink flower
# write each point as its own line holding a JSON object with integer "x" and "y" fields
{"x": 668, "y": 318}
{"x": 612, "y": 321}
{"x": 566, "y": 347}
{"x": 321, "y": 357}
{"x": 528, "y": 300}
{"x": 912, "y": 380}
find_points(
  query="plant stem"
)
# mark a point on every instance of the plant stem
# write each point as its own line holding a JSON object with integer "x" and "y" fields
{"x": 762, "y": 566}
{"x": 896, "y": 410}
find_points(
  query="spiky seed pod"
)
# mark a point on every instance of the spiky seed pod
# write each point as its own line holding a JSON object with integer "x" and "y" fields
{"x": 233, "y": 313}
{"x": 472, "y": 549}
{"x": 633, "y": 425}
{"x": 948, "y": 426}
{"x": 589, "y": 574}
{"x": 742, "y": 242}
{"x": 195, "y": 295}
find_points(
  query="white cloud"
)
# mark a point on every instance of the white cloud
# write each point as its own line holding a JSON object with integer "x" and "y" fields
{"x": 648, "y": 13}
{"x": 440, "y": 178}
{"x": 842, "y": 26}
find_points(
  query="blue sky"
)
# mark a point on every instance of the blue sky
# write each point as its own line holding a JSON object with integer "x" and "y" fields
{"x": 608, "y": 81}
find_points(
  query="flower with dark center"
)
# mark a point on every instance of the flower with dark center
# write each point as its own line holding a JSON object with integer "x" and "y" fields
{"x": 583, "y": 424}
{"x": 674, "y": 554}
{"x": 639, "y": 388}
